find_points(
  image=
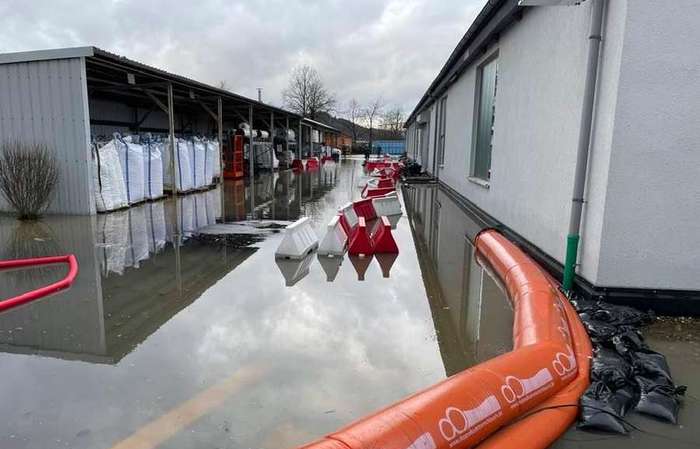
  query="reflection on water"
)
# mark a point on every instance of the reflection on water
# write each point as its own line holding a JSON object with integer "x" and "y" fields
{"x": 471, "y": 312}
{"x": 159, "y": 314}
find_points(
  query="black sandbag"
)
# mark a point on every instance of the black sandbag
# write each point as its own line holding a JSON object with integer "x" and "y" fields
{"x": 628, "y": 342}
{"x": 659, "y": 398}
{"x": 600, "y": 332}
{"x": 611, "y": 369}
{"x": 652, "y": 365}
{"x": 602, "y": 409}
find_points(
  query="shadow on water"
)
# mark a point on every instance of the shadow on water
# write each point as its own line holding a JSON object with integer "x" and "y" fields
{"x": 161, "y": 313}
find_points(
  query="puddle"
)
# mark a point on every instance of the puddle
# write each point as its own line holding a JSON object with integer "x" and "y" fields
{"x": 173, "y": 339}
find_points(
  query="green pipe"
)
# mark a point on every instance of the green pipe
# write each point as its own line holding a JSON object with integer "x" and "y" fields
{"x": 570, "y": 262}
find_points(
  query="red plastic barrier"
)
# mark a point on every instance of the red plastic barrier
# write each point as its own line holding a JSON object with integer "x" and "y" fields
{"x": 360, "y": 243}
{"x": 297, "y": 165}
{"x": 547, "y": 367}
{"x": 312, "y": 163}
{"x": 385, "y": 182}
{"x": 43, "y": 291}
{"x": 382, "y": 240}
{"x": 364, "y": 208}
{"x": 325, "y": 159}
{"x": 373, "y": 192}
{"x": 344, "y": 223}
{"x": 371, "y": 165}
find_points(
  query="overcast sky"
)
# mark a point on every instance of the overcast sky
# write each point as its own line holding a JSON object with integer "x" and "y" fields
{"x": 361, "y": 48}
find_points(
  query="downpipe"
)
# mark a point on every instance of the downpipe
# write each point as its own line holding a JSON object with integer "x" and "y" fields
{"x": 584, "y": 143}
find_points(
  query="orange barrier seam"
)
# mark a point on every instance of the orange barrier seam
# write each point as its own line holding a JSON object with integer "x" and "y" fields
{"x": 491, "y": 404}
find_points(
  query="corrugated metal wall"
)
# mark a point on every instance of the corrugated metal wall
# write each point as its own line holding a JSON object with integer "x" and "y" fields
{"x": 46, "y": 101}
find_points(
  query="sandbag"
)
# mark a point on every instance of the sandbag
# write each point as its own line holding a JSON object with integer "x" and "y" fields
{"x": 611, "y": 369}
{"x": 108, "y": 179}
{"x": 603, "y": 409}
{"x": 131, "y": 161}
{"x": 658, "y": 397}
{"x": 153, "y": 168}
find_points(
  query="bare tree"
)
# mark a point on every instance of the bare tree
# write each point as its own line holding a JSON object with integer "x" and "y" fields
{"x": 222, "y": 85}
{"x": 306, "y": 95}
{"x": 28, "y": 176}
{"x": 393, "y": 120}
{"x": 371, "y": 113}
{"x": 354, "y": 114}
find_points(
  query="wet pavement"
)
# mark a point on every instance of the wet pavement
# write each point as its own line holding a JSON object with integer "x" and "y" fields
{"x": 208, "y": 343}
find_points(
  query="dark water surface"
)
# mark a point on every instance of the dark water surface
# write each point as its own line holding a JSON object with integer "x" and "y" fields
{"x": 205, "y": 345}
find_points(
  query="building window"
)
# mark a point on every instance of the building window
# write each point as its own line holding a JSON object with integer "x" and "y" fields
{"x": 442, "y": 107}
{"x": 485, "y": 116}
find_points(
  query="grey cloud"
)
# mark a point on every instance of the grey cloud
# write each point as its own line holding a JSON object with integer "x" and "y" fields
{"x": 362, "y": 48}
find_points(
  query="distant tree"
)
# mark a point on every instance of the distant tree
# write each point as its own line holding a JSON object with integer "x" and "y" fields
{"x": 305, "y": 94}
{"x": 354, "y": 114}
{"x": 222, "y": 85}
{"x": 393, "y": 120}
{"x": 372, "y": 113}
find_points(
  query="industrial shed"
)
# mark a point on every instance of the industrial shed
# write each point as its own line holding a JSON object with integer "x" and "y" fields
{"x": 67, "y": 97}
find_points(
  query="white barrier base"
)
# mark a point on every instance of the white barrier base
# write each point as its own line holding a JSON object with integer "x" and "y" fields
{"x": 330, "y": 266}
{"x": 298, "y": 241}
{"x": 387, "y": 205}
{"x": 294, "y": 270}
{"x": 335, "y": 240}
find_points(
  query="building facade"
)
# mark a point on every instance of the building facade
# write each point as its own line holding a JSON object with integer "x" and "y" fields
{"x": 500, "y": 126}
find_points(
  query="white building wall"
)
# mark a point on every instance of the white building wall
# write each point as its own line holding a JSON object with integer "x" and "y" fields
{"x": 651, "y": 228}
{"x": 46, "y": 102}
{"x": 541, "y": 69}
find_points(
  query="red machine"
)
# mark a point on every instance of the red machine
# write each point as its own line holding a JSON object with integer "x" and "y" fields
{"x": 233, "y": 158}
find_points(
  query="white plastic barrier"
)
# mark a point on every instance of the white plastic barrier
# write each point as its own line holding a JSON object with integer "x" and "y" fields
{"x": 108, "y": 179}
{"x": 350, "y": 215}
{"x": 131, "y": 161}
{"x": 298, "y": 241}
{"x": 153, "y": 169}
{"x": 330, "y": 266}
{"x": 294, "y": 270}
{"x": 387, "y": 205}
{"x": 335, "y": 240}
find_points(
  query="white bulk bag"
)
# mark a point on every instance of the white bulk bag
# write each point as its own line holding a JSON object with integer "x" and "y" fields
{"x": 153, "y": 169}
{"x": 155, "y": 219}
{"x": 216, "y": 156}
{"x": 137, "y": 236}
{"x": 183, "y": 169}
{"x": 197, "y": 159}
{"x": 209, "y": 161}
{"x": 131, "y": 160}
{"x": 108, "y": 179}
{"x": 113, "y": 234}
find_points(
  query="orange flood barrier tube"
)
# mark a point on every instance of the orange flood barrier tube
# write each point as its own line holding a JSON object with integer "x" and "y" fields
{"x": 506, "y": 402}
{"x": 66, "y": 282}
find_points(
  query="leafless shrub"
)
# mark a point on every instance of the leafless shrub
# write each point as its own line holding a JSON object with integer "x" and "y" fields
{"x": 29, "y": 239}
{"x": 28, "y": 176}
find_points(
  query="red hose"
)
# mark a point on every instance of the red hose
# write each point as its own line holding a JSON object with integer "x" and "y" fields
{"x": 43, "y": 291}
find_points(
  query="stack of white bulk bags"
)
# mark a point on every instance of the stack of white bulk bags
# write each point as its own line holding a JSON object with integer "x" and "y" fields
{"x": 153, "y": 168}
{"x": 108, "y": 179}
{"x": 200, "y": 211}
{"x": 213, "y": 205}
{"x": 183, "y": 168}
{"x": 131, "y": 161}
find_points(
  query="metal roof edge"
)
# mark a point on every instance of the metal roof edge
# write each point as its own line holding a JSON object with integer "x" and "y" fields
{"x": 44, "y": 55}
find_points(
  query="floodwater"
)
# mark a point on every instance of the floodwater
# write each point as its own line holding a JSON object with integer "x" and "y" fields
{"x": 173, "y": 341}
